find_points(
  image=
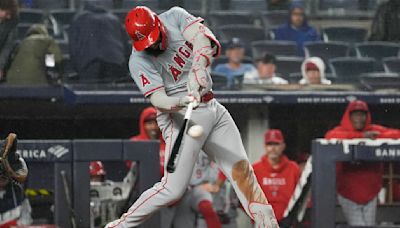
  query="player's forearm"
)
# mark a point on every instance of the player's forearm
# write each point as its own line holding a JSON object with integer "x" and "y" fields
{"x": 165, "y": 103}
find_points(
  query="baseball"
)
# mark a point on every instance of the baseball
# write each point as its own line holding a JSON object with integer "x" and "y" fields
{"x": 195, "y": 131}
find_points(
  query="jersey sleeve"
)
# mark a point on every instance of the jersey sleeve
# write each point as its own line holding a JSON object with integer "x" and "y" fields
{"x": 145, "y": 75}
{"x": 183, "y": 18}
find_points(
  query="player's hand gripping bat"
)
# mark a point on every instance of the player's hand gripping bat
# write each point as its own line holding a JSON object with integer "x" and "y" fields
{"x": 173, "y": 159}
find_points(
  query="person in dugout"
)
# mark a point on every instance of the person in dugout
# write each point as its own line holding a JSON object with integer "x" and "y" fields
{"x": 276, "y": 174}
{"x": 358, "y": 183}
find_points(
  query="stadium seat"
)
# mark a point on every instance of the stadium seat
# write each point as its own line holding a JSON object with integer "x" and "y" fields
{"x": 64, "y": 46}
{"x": 380, "y": 80}
{"x": 344, "y": 34}
{"x": 192, "y": 4}
{"x": 103, "y": 3}
{"x": 63, "y": 16}
{"x": 347, "y": 4}
{"x": 246, "y": 33}
{"x": 275, "y": 47}
{"x": 31, "y": 16}
{"x": 223, "y": 59}
{"x": 22, "y": 28}
{"x": 48, "y": 4}
{"x": 288, "y": 65}
{"x": 326, "y": 50}
{"x": 69, "y": 71}
{"x": 377, "y": 50}
{"x": 273, "y": 19}
{"x": 391, "y": 64}
{"x": 220, "y": 81}
{"x": 121, "y": 14}
{"x": 129, "y": 4}
{"x": 248, "y": 5}
{"x": 338, "y": 4}
{"x": 219, "y": 18}
{"x": 349, "y": 69}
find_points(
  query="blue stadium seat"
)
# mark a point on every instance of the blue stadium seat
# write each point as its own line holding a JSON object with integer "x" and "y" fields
{"x": 392, "y": 64}
{"x": 344, "y": 34}
{"x": 275, "y": 47}
{"x": 347, "y": 4}
{"x": 22, "y": 28}
{"x": 121, "y": 14}
{"x": 31, "y": 16}
{"x": 288, "y": 65}
{"x": 248, "y": 5}
{"x": 380, "y": 80}
{"x": 377, "y": 50}
{"x": 193, "y": 4}
{"x": 246, "y": 33}
{"x": 326, "y": 50}
{"x": 219, "y": 18}
{"x": 349, "y": 69}
{"x": 63, "y": 16}
{"x": 338, "y": 4}
{"x": 64, "y": 46}
{"x": 129, "y": 4}
{"x": 275, "y": 18}
{"x": 220, "y": 81}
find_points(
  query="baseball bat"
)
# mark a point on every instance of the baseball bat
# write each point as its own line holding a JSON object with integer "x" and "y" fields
{"x": 172, "y": 162}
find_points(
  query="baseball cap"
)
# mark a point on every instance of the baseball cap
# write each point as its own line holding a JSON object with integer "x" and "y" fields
{"x": 150, "y": 117}
{"x": 273, "y": 136}
{"x": 235, "y": 43}
{"x": 311, "y": 66}
{"x": 358, "y": 105}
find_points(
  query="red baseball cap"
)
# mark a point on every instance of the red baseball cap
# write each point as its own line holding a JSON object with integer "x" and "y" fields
{"x": 274, "y": 136}
{"x": 311, "y": 66}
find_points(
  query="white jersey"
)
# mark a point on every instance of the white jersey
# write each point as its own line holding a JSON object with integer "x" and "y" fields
{"x": 204, "y": 170}
{"x": 169, "y": 70}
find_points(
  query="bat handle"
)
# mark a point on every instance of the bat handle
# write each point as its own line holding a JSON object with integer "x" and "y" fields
{"x": 189, "y": 110}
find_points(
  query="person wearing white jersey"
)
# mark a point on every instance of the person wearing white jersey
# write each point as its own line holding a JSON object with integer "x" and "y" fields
{"x": 169, "y": 65}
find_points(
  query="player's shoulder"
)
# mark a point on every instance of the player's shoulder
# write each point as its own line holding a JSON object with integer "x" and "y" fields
{"x": 140, "y": 60}
{"x": 174, "y": 12}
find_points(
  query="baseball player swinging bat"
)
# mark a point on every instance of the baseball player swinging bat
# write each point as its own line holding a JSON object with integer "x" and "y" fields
{"x": 169, "y": 63}
{"x": 177, "y": 145}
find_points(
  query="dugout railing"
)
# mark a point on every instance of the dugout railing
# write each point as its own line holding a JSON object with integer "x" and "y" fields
{"x": 325, "y": 155}
{"x": 62, "y": 168}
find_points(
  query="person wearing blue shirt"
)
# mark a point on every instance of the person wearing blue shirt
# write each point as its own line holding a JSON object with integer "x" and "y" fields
{"x": 297, "y": 29}
{"x": 234, "y": 67}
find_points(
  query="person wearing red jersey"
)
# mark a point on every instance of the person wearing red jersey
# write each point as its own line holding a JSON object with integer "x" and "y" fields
{"x": 149, "y": 130}
{"x": 358, "y": 184}
{"x": 276, "y": 174}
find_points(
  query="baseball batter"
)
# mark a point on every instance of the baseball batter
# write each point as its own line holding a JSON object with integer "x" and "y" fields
{"x": 169, "y": 64}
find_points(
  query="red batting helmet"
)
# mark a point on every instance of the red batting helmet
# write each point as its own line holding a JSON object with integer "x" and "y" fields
{"x": 96, "y": 168}
{"x": 144, "y": 27}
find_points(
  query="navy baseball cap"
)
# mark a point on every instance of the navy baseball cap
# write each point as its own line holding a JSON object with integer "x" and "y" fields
{"x": 235, "y": 43}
